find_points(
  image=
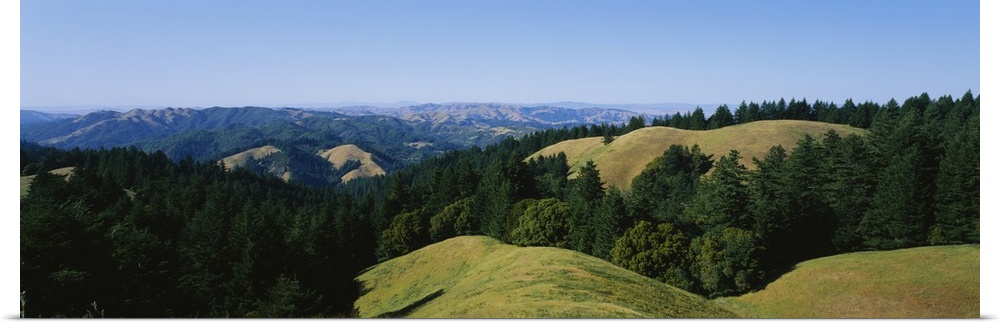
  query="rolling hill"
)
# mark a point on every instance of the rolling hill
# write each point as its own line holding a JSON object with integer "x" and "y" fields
{"x": 922, "y": 282}
{"x": 243, "y": 159}
{"x": 340, "y": 155}
{"x": 480, "y": 277}
{"x": 627, "y": 156}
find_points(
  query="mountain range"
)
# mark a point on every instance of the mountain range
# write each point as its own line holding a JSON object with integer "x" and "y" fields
{"x": 393, "y": 137}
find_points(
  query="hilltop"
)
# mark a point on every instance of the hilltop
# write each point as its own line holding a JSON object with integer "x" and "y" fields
{"x": 627, "y": 155}
{"x": 249, "y": 156}
{"x": 922, "y": 282}
{"x": 340, "y": 155}
{"x": 480, "y": 277}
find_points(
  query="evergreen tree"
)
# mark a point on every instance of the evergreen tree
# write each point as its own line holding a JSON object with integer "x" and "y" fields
{"x": 722, "y": 118}
{"x": 697, "y": 120}
{"x": 586, "y": 191}
{"x": 610, "y": 222}
{"x": 723, "y": 196}
{"x": 957, "y": 196}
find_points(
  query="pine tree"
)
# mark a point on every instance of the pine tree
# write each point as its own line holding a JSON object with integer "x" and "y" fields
{"x": 610, "y": 221}
{"x": 957, "y": 196}
{"x": 697, "y": 119}
{"x": 586, "y": 191}
{"x": 722, "y": 118}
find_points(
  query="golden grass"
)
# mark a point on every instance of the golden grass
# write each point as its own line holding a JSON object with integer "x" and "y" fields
{"x": 339, "y": 155}
{"x": 241, "y": 159}
{"x": 479, "y": 277}
{"x": 923, "y": 282}
{"x": 628, "y": 155}
{"x": 26, "y": 180}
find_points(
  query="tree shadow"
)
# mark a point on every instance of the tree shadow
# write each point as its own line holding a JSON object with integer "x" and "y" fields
{"x": 403, "y": 312}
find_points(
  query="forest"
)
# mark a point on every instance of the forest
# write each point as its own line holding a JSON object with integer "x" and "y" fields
{"x": 137, "y": 234}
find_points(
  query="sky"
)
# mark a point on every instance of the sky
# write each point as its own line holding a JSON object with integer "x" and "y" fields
{"x": 273, "y": 53}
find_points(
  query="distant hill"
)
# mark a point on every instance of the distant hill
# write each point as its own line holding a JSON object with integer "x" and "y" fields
{"x": 245, "y": 158}
{"x": 341, "y": 155}
{"x": 480, "y": 277}
{"x": 627, "y": 156}
{"x": 29, "y": 117}
{"x": 348, "y": 160}
{"x": 922, "y": 282}
{"x": 112, "y": 129}
{"x": 498, "y": 114}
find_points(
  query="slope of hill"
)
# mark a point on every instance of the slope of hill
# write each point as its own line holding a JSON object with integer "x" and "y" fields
{"x": 922, "y": 282}
{"x": 628, "y": 155}
{"x": 29, "y": 117}
{"x": 241, "y": 159}
{"x": 26, "y": 180}
{"x": 244, "y": 158}
{"x": 340, "y": 155}
{"x": 480, "y": 277}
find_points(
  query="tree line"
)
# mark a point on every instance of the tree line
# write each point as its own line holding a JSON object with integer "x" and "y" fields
{"x": 132, "y": 234}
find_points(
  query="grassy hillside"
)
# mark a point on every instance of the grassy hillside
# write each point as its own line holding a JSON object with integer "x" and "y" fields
{"x": 628, "y": 155}
{"x": 339, "y": 155}
{"x": 480, "y": 277}
{"x": 26, "y": 180}
{"x": 241, "y": 159}
{"x": 923, "y": 282}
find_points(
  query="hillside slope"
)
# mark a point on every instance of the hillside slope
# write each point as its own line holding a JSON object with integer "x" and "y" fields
{"x": 242, "y": 158}
{"x": 922, "y": 282}
{"x": 338, "y": 156}
{"x": 628, "y": 155}
{"x": 26, "y": 180}
{"x": 480, "y": 277}
{"x": 248, "y": 156}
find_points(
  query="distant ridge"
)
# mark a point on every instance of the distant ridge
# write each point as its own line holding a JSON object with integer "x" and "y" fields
{"x": 498, "y": 114}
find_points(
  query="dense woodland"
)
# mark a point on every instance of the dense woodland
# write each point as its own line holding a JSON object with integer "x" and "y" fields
{"x": 136, "y": 234}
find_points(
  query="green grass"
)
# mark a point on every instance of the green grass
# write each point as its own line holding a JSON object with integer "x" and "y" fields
{"x": 629, "y": 154}
{"x": 923, "y": 282}
{"x": 479, "y": 277}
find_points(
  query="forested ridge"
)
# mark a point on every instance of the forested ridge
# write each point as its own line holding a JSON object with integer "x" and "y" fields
{"x": 135, "y": 234}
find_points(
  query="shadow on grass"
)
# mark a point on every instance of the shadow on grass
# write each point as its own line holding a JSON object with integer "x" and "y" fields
{"x": 403, "y": 312}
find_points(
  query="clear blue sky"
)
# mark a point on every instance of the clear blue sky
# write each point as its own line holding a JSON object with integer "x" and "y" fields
{"x": 272, "y": 53}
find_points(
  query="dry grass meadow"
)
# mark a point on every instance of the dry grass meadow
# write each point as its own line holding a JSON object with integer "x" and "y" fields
{"x": 627, "y": 156}
{"x": 339, "y": 155}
